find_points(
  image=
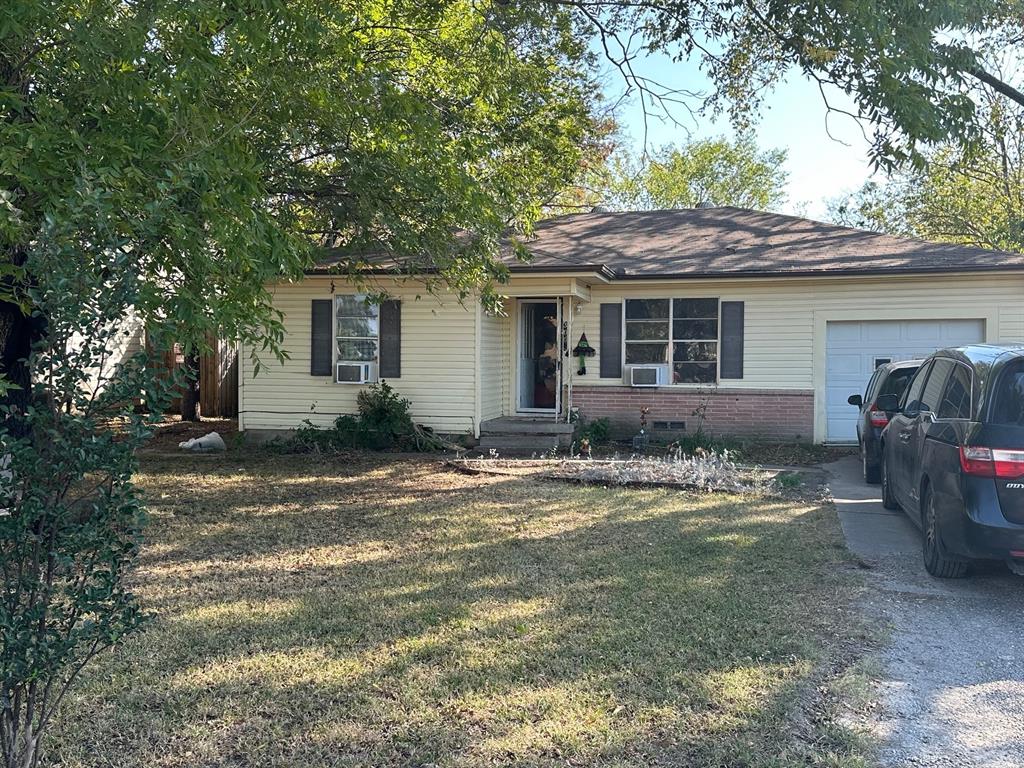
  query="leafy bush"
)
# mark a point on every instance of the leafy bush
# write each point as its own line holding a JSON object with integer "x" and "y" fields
{"x": 384, "y": 418}
{"x": 384, "y": 423}
{"x": 597, "y": 431}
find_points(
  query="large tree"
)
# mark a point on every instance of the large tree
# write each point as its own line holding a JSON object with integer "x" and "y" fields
{"x": 909, "y": 67}
{"x": 972, "y": 195}
{"x": 164, "y": 161}
{"x": 716, "y": 171}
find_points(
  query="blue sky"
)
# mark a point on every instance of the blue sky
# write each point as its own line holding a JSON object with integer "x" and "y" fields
{"x": 792, "y": 117}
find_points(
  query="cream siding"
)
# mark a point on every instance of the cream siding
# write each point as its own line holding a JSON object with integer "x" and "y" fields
{"x": 458, "y": 363}
{"x": 127, "y": 340}
{"x": 494, "y": 355}
{"x": 784, "y": 334}
{"x": 438, "y": 363}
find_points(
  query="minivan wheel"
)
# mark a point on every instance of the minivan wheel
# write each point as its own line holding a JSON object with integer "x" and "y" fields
{"x": 872, "y": 472}
{"x": 936, "y": 561}
{"x": 888, "y": 500}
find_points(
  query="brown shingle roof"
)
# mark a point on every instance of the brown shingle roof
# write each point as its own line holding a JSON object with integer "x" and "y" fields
{"x": 736, "y": 241}
{"x": 720, "y": 241}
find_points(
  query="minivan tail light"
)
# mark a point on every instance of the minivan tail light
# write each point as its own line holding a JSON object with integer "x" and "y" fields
{"x": 988, "y": 462}
{"x": 878, "y": 418}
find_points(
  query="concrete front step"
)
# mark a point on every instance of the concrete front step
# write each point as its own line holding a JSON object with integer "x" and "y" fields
{"x": 517, "y": 445}
{"x": 524, "y": 425}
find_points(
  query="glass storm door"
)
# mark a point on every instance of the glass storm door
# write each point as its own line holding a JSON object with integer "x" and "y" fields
{"x": 538, "y": 368}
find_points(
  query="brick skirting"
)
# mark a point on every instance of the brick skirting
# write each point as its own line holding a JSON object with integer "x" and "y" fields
{"x": 772, "y": 413}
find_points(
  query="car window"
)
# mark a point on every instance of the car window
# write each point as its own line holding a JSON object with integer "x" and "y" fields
{"x": 897, "y": 381}
{"x": 911, "y": 402}
{"x": 930, "y": 395}
{"x": 871, "y": 386}
{"x": 1008, "y": 407}
{"x": 956, "y": 400}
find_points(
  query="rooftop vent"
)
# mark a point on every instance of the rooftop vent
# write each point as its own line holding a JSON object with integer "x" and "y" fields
{"x": 599, "y": 209}
{"x": 705, "y": 204}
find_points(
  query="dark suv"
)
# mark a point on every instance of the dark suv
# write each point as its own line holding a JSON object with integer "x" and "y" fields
{"x": 954, "y": 457}
{"x": 888, "y": 379}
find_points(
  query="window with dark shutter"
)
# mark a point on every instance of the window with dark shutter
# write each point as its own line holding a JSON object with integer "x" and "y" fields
{"x": 321, "y": 337}
{"x": 391, "y": 339}
{"x": 611, "y": 341}
{"x": 732, "y": 340}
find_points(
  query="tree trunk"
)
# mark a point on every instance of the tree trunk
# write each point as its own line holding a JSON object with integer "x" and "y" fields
{"x": 190, "y": 395}
{"x": 18, "y": 333}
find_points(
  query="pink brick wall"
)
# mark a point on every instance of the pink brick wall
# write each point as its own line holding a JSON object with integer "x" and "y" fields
{"x": 783, "y": 414}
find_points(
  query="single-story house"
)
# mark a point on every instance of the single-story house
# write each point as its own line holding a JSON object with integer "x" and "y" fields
{"x": 755, "y": 323}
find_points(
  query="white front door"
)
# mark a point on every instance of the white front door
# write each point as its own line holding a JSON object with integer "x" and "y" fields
{"x": 853, "y": 349}
{"x": 538, "y": 369}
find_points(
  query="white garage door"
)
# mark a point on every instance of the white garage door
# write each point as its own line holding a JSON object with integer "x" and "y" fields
{"x": 854, "y": 349}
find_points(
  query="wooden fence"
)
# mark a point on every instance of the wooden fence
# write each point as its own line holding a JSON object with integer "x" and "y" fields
{"x": 218, "y": 379}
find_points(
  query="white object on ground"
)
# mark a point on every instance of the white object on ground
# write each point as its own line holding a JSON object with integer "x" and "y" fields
{"x": 211, "y": 443}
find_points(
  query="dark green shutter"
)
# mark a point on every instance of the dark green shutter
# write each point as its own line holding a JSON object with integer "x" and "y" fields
{"x": 320, "y": 334}
{"x": 611, "y": 341}
{"x": 732, "y": 340}
{"x": 391, "y": 339}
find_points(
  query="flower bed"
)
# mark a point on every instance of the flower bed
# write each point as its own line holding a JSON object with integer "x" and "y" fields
{"x": 705, "y": 471}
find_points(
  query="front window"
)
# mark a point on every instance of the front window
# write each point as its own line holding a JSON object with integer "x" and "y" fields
{"x": 356, "y": 331}
{"x": 680, "y": 332}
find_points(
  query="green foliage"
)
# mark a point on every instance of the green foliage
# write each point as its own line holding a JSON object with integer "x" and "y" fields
{"x": 596, "y": 431}
{"x": 971, "y": 196}
{"x": 907, "y": 65}
{"x": 789, "y": 480}
{"x": 718, "y": 171}
{"x": 879, "y": 207}
{"x": 70, "y": 516}
{"x": 382, "y": 424}
{"x": 168, "y": 163}
{"x": 385, "y": 417}
{"x": 227, "y": 141}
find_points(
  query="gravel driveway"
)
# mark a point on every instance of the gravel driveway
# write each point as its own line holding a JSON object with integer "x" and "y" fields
{"x": 952, "y": 692}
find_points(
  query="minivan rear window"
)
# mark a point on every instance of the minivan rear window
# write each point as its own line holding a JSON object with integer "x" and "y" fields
{"x": 1008, "y": 407}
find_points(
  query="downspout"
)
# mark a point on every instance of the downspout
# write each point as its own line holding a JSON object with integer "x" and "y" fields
{"x": 567, "y": 349}
{"x": 241, "y": 388}
{"x": 477, "y": 369}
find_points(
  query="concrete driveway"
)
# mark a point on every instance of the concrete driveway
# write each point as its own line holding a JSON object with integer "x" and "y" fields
{"x": 952, "y": 692}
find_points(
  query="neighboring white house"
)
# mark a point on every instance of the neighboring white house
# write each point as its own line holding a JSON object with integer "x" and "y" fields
{"x": 766, "y": 323}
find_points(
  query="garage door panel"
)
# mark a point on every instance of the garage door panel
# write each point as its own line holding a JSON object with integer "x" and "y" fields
{"x": 955, "y": 330}
{"x": 853, "y": 347}
{"x": 882, "y": 332}
{"x": 845, "y": 364}
{"x": 837, "y": 397}
{"x": 841, "y": 332}
{"x": 921, "y": 332}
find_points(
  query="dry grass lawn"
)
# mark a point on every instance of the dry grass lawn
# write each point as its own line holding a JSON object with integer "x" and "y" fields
{"x": 374, "y": 611}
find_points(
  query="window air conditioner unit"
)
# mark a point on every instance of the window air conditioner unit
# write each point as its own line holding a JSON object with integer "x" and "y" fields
{"x": 357, "y": 373}
{"x": 647, "y": 375}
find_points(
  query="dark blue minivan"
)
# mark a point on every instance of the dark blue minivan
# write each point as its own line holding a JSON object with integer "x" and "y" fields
{"x": 953, "y": 457}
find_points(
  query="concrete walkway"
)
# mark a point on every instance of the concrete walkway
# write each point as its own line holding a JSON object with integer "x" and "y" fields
{"x": 953, "y": 684}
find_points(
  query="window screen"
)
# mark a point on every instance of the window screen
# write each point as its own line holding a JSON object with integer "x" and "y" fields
{"x": 356, "y": 329}
{"x": 648, "y": 327}
{"x": 683, "y": 332}
{"x": 694, "y": 340}
{"x": 956, "y": 400}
